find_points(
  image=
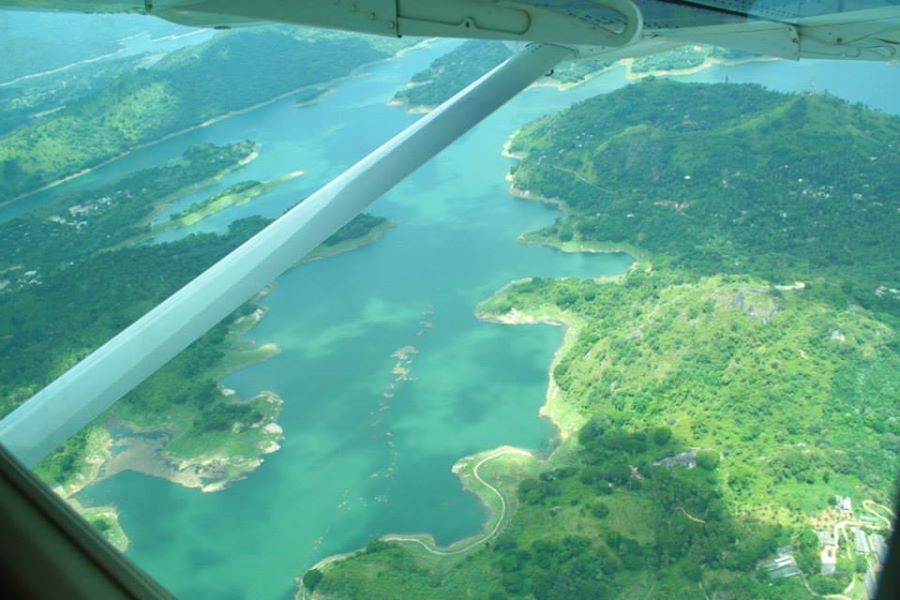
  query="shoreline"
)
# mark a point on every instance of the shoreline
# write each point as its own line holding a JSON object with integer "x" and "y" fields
{"x": 552, "y": 409}
{"x": 212, "y": 472}
{"x": 150, "y": 456}
{"x": 470, "y": 478}
{"x": 637, "y": 254}
{"x": 494, "y": 523}
{"x": 326, "y": 86}
{"x": 222, "y": 201}
{"x": 427, "y": 541}
{"x": 144, "y": 145}
{"x": 143, "y": 450}
{"x": 321, "y": 251}
{"x": 708, "y": 63}
{"x": 547, "y": 82}
{"x": 164, "y": 203}
{"x": 563, "y": 86}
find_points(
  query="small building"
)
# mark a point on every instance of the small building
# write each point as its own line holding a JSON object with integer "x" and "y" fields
{"x": 784, "y": 572}
{"x": 687, "y": 460}
{"x": 785, "y": 550}
{"x": 783, "y": 565}
{"x": 826, "y": 537}
{"x": 845, "y": 504}
{"x": 828, "y": 557}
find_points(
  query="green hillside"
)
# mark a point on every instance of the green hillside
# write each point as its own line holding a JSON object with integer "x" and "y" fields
{"x": 232, "y": 71}
{"x": 715, "y": 401}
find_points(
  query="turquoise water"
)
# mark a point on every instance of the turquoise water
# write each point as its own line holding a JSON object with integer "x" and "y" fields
{"x": 355, "y": 463}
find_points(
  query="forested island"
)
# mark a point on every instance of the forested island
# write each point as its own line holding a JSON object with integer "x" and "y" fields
{"x": 728, "y": 408}
{"x": 98, "y": 114}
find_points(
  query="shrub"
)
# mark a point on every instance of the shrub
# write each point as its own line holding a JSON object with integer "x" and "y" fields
{"x": 312, "y": 578}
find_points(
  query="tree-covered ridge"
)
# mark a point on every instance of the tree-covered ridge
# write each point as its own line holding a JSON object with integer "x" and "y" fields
{"x": 729, "y": 179}
{"x": 684, "y": 58}
{"x": 718, "y": 399}
{"x": 82, "y": 223}
{"x": 232, "y": 71}
{"x": 452, "y": 72}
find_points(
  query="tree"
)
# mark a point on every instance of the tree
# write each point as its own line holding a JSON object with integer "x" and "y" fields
{"x": 707, "y": 459}
{"x": 312, "y": 578}
{"x": 591, "y": 432}
{"x": 661, "y": 435}
{"x": 600, "y": 510}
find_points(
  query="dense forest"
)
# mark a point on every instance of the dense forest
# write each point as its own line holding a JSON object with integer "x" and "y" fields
{"x": 716, "y": 401}
{"x": 729, "y": 179}
{"x": 108, "y": 112}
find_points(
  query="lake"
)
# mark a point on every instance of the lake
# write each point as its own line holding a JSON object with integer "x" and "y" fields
{"x": 369, "y": 449}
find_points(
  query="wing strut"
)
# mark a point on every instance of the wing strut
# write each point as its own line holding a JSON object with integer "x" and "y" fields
{"x": 57, "y": 412}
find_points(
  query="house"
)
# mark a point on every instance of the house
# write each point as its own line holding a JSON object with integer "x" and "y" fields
{"x": 845, "y": 504}
{"x": 829, "y": 560}
{"x": 826, "y": 537}
{"x": 687, "y": 460}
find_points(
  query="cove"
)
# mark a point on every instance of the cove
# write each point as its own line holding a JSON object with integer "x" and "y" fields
{"x": 368, "y": 448}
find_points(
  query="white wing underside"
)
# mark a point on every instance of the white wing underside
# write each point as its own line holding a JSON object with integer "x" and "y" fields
{"x": 793, "y": 29}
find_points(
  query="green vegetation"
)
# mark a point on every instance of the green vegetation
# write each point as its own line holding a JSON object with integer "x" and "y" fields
{"x": 89, "y": 277}
{"x": 710, "y": 407}
{"x": 235, "y": 195}
{"x": 452, "y": 72}
{"x": 233, "y": 71}
{"x": 51, "y": 309}
{"x": 311, "y": 579}
{"x": 42, "y": 96}
{"x": 458, "y": 68}
{"x": 576, "y": 71}
{"x": 79, "y": 225}
{"x": 684, "y": 58}
{"x": 729, "y": 179}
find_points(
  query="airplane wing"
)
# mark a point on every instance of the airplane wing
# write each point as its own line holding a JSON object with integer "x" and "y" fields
{"x": 794, "y": 29}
